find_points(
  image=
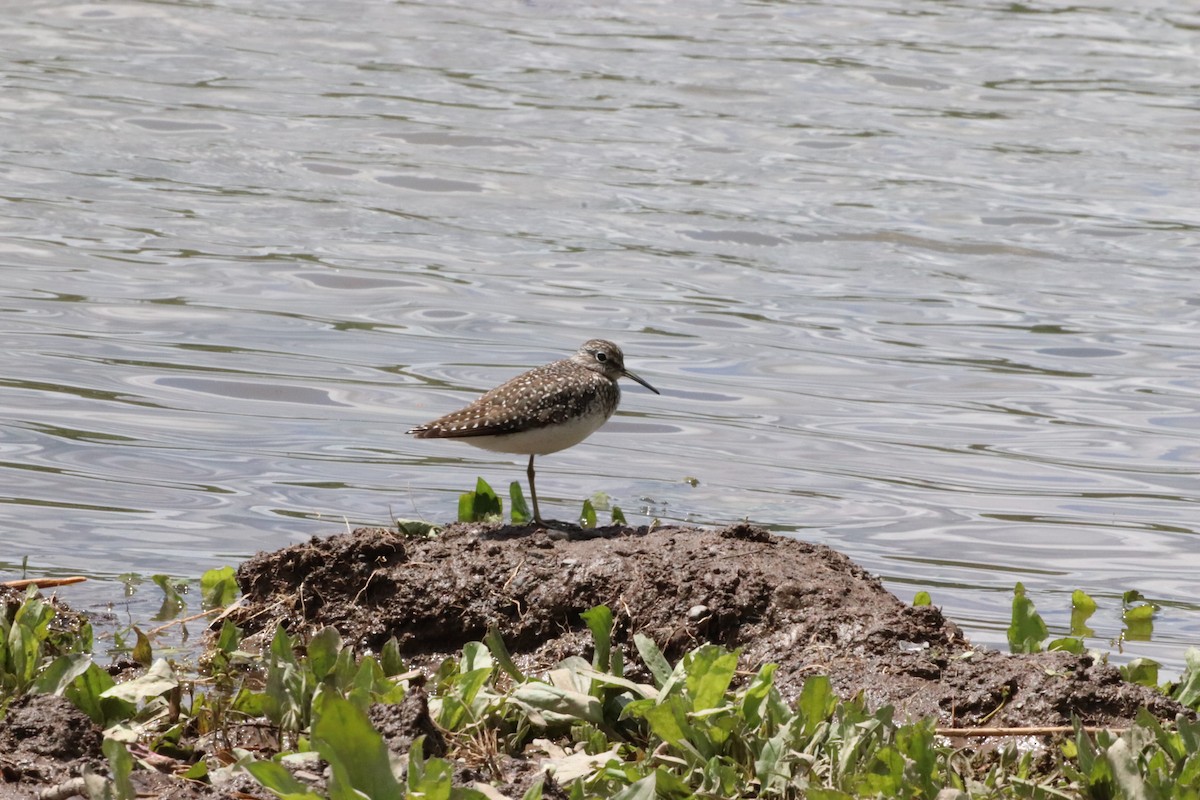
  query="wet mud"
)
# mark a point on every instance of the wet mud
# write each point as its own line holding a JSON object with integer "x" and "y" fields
{"x": 803, "y": 606}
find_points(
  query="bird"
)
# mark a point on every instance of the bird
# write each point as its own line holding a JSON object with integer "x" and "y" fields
{"x": 541, "y": 411}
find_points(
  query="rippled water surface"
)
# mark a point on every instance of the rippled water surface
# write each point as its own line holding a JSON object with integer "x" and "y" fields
{"x": 916, "y": 279}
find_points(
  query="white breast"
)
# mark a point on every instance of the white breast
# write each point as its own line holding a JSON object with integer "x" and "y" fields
{"x": 540, "y": 441}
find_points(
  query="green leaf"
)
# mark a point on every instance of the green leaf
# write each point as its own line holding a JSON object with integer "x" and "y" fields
{"x": 344, "y": 670}
{"x": 323, "y": 651}
{"x": 1082, "y": 608}
{"x": 278, "y": 779}
{"x": 920, "y": 763}
{"x": 1131, "y": 596}
{"x": 1143, "y": 671}
{"x": 643, "y": 789}
{"x": 1082, "y": 601}
{"x": 520, "y": 512}
{"x": 886, "y": 776}
{"x": 771, "y": 776}
{"x": 559, "y": 705}
{"x": 757, "y": 694}
{"x": 281, "y": 647}
{"x": 26, "y": 637}
{"x": 389, "y": 658}
{"x": 229, "y": 638}
{"x": 1028, "y": 630}
{"x": 487, "y": 505}
{"x": 158, "y": 680}
{"x": 450, "y": 713}
{"x": 416, "y": 762}
{"x": 816, "y": 702}
{"x": 357, "y": 756}
{"x": 218, "y": 587}
{"x": 173, "y": 602}
{"x": 709, "y": 672}
{"x": 367, "y": 680}
{"x": 120, "y": 764}
{"x": 34, "y": 615}
{"x": 1139, "y": 622}
{"x": 653, "y": 658}
{"x": 599, "y": 620}
{"x": 1189, "y": 737}
{"x": 142, "y": 652}
{"x": 534, "y": 792}
{"x": 62, "y": 672}
{"x": 1187, "y": 691}
{"x": 668, "y": 721}
{"x": 637, "y": 690}
{"x": 1069, "y": 644}
{"x": 463, "y": 690}
{"x": 1123, "y": 761}
{"x": 922, "y": 599}
{"x": 668, "y": 787}
{"x": 416, "y": 528}
{"x": 495, "y": 643}
{"x": 587, "y": 517}
{"x": 475, "y": 656}
{"x": 436, "y": 781}
{"x": 1138, "y": 613}
{"x": 288, "y": 695}
{"x": 618, "y": 516}
{"x": 87, "y": 693}
{"x": 466, "y": 507}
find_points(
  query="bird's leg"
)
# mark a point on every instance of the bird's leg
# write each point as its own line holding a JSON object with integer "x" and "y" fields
{"x": 537, "y": 515}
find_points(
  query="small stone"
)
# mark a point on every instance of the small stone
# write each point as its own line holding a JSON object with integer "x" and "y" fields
{"x": 697, "y": 612}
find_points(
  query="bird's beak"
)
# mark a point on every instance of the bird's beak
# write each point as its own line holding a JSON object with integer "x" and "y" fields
{"x": 631, "y": 376}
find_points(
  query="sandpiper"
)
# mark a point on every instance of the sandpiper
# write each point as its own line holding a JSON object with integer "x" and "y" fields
{"x": 542, "y": 411}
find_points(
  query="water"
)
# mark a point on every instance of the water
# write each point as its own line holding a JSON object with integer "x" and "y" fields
{"x": 915, "y": 280}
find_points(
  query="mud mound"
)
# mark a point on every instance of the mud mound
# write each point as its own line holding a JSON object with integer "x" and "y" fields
{"x": 47, "y": 745}
{"x": 44, "y": 740}
{"x": 803, "y": 606}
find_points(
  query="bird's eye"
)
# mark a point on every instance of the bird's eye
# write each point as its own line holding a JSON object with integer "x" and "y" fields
{"x": 602, "y": 357}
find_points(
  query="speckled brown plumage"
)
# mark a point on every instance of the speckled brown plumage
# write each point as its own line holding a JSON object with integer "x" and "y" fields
{"x": 544, "y": 410}
{"x": 548, "y": 395}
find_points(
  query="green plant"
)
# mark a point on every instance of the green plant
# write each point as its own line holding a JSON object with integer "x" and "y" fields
{"x": 587, "y": 515}
{"x": 1147, "y": 761}
{"x": 1187, "y": 689}
{"x": 483, "y": 505}
{"x": 38, "y": 655}
{"x": 1138, "y": 615}
{"x": 480, "y": 505}
{"x": 173, "y": 602}
{"x": 701, "y": 727}
{"x": 1028, "y": 632}
{"x": 520, "y": 511}
{"x": 218, "y": 587}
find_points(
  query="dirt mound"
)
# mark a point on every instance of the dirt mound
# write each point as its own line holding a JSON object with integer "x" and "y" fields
{"x": 32, "y": 751}
{"x": 803, "y": 606}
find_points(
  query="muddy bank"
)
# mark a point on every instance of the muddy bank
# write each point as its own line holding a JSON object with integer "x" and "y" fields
{"x": 802, "y": 606}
